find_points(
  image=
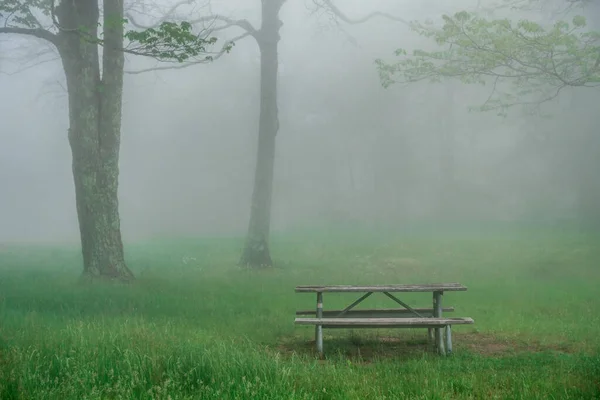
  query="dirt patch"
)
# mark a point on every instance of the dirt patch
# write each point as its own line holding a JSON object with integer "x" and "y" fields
{"x": 367, "y": 349}
{"x": 364, "y": 350}
{"x": 488, "y": 344}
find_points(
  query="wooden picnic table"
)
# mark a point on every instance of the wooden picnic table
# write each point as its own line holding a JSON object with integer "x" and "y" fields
{"x": 376, "y": 318}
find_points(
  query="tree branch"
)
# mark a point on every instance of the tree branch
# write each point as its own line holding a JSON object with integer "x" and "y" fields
{"x": 537, "y": 62}
{"x": 337, "y": 12}
{"x": 229, "y": 22}
{"x": 34, "y": 65}
{"x": 205, "y": 60}
{"x": 38, "y": 33}
{"x": 165, "y": 17}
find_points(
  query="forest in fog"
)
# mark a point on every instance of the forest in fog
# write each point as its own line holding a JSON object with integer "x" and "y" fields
{"x": 195, "y": 193}
{"x": 348, "y": 150}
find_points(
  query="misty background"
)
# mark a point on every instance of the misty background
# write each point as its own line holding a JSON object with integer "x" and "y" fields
{"x": 349, "y": 151}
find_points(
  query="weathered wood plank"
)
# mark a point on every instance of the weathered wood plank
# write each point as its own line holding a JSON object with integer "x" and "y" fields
{"x": 374, "y": 312}
{"x": 357, "y": 302}
{"x": 319, "y": 328}
{"x": 383, "y": 322}
{"x": 403, "y": 304}
{"x": 437, "y": 313}
{"x": 448, "y": 339}
{"x": 433, "y": 287}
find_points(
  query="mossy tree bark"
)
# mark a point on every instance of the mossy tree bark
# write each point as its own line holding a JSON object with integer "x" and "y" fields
{"x": 95, "y": 99}
{"x": 256, "y": 251}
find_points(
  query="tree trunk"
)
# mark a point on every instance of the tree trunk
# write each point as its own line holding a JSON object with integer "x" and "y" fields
{"x": 588, "y": 188}
{"x": 256, "y": 250}
{"x": 94, "y": 133}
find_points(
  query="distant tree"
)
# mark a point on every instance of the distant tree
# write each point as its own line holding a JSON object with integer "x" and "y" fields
{"x": 526, "y": 63}
{"x": 95, "y": 88}
{"x": 256, "y": 252}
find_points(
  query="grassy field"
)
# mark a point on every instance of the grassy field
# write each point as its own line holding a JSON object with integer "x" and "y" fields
{"x": 195, "y": 326}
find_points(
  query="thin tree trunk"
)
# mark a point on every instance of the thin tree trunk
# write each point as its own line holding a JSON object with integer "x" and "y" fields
{"x": 588, "y": 189}
{"x": 256, "y": 250}
{"x": 94, "y": 133}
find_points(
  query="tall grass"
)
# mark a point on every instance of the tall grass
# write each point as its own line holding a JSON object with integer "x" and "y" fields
{"x": 195, "y": 326}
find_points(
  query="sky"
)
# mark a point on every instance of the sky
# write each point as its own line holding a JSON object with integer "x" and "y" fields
{"x": 348, "y": 149}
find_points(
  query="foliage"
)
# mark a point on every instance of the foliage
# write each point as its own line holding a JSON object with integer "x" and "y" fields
{"x": 167, "y": 41}
{"x": 194, "y": 326}
{"x": 562, "y": 5}
{"x": 525, "y": 62}
{"x": 23, "y": 13}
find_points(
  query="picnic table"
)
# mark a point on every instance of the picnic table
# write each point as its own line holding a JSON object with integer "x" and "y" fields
{"x": 405, "y": 317}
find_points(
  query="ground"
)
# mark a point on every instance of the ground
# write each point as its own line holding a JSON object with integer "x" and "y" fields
{"x": 195, "y": 325}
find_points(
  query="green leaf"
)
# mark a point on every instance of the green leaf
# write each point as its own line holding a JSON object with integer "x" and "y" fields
{"x": 523, "y": 62}
{"x": 579, "y": 21}
{"x": 169, "y": 41}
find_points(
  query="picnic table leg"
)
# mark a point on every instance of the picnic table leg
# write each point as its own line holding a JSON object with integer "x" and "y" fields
{"x": 319, "y": 328}
{"x": 437, "y": 313}
{"x": 448, "y": 339}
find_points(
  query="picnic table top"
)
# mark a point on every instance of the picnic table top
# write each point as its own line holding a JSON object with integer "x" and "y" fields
{"x": 431, "y": 287}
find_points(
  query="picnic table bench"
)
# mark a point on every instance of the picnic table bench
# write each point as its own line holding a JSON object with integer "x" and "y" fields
{"x": 406, "y": 317}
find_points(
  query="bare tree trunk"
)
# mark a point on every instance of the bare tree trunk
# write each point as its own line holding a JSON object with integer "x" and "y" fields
{"x": 588, "y": 188}
{"x": 94, "y": 132}
{"x": 256, "y": 250}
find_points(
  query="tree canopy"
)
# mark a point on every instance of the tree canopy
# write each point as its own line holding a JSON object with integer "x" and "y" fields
{"x": 165, "y": 41}
{"x": 525, "y": 62}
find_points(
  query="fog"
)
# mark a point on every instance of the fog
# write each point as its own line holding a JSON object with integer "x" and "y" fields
{"x": 349, "y": 151}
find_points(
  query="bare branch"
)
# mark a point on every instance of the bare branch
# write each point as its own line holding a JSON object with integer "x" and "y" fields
{"x": 164, "y": 18}
{"x": 229, "y": 22}
{"x": 206, "y": 60}
{"x": 222, "y": 27}
{"x": 335, "y": 10}
{"x": 38, "y": 33}
{"x": 30, "y": 66}
{"x": 208, "y": 22}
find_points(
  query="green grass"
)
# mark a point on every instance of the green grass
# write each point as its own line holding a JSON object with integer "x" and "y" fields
{"x": 195, "y": 326}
